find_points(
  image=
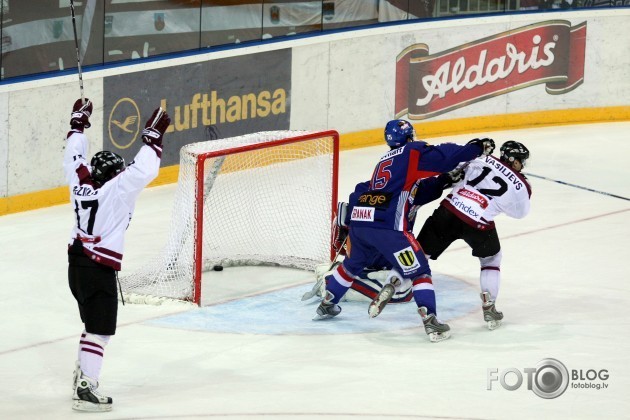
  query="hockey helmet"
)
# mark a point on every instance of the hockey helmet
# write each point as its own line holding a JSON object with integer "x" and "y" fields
{"x": 106, "y": 165}
{"x": 512, "y": 150}
{"x": 398, "y": 133}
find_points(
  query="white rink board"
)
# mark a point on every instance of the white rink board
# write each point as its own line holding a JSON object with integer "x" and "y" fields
{"x": 343, "y": 81}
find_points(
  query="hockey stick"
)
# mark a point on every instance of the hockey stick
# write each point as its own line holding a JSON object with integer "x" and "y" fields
{"x": 320, "y": 280}
{"x": 577, "y": 186}
{"x": 76, "y": 44}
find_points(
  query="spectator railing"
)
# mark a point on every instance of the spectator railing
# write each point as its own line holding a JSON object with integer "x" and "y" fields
{"x": 39, "y": 40}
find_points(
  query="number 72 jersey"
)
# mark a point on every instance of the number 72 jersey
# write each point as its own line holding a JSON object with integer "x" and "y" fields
{"x": 488, "y": 189}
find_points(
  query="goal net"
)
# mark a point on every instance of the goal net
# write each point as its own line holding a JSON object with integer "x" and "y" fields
{"x": 266, "y": 198}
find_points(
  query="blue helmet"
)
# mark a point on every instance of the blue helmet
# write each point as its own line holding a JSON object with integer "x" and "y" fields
{"x": 398, "y": 133}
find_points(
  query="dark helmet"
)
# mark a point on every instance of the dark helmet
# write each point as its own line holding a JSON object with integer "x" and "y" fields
{"x": 512, "y": 150}
{"x": 398, "y": 133}
{"x": 106, "y": 165}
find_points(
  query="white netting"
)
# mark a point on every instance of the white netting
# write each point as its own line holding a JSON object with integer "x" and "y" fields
{"x": 269, "y": 206}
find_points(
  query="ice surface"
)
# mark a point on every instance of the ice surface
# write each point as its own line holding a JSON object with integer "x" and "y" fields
{"x": 252, "y": 351}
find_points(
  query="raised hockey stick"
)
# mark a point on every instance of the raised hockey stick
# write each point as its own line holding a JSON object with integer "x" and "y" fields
{"x": 320, "y": 280}
{"x": 76, "y": 44}
{"x": 576, "y": 186}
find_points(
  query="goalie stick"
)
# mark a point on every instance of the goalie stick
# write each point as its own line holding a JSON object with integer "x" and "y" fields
{"x": 308, "y": 295}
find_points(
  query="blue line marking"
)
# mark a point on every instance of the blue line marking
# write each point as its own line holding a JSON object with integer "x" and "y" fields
{"x": 282, "y": 312}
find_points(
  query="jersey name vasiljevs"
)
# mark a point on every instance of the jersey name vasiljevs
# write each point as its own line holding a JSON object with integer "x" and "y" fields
{"x": 102, "y": 213}
{"x": 489, "y": 188}
{"x": 386, "y": 204}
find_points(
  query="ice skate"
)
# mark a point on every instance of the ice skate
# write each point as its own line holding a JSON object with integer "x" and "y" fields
{"x": 87, "y": 398}
{"x": 379, "y": 302}
{"x": 490, "y": 313}
{"x": 383, "y": 297}
{"x": 327, "y": 309}
{"x": 436, "y": 330}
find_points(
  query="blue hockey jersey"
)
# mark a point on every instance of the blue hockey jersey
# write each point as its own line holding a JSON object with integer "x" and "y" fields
{"x": 390, "y": 194}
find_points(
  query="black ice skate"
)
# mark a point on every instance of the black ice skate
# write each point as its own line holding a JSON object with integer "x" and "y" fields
{"x": 327, "y": 309}
{"x": 87, "y": 398}
{"x": 490, "y": 313}
{"x": 436, "y": 330}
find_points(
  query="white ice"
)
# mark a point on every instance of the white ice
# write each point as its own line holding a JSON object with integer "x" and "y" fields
{"x": 253, "y": 352}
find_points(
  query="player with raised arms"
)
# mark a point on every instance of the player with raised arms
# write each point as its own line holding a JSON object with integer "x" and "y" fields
{"x": 103, "y": 194}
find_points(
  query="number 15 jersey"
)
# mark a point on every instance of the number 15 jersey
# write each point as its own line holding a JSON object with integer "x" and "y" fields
{"x": 488, "y": 189}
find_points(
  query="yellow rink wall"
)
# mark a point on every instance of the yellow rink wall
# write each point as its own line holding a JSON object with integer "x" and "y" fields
{"x": 374, "y": 137}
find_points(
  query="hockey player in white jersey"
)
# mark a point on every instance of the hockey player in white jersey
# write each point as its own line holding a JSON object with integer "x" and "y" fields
{"x": 103, "y": 193}
{"x": 490, "y": 187}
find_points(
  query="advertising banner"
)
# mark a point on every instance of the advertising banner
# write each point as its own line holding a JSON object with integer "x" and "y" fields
{"x": 206, "y": 101}
{"x": 550, "y": 52}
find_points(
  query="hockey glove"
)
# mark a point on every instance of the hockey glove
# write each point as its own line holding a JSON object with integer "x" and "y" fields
{"x": 81, "y": 113}
{"x": 486, "y": 145}
{"x": 339, "y": 235}
{"x": 340, "y": 229}
{"x": 456, "y": 175}
{"x": 155, "y": 128}
{"x": 452, "y": 177}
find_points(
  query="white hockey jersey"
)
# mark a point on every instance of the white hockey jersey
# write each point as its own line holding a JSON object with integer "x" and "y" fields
{"x": 488, "y": 189}
{"x": 103, "y": 213}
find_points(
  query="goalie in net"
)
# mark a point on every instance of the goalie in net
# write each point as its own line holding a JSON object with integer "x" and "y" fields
{"x": 379, "y": 272}
{"x": 244, "y": 201}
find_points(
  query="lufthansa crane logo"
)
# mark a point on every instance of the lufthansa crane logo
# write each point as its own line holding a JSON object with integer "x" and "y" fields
{"x": 124, "y": 123}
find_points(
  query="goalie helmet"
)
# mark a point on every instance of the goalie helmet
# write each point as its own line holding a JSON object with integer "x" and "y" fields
{"x": 106, "y": 165}
{"x": 398, "y": 133}
{"x": 512, "y": 150}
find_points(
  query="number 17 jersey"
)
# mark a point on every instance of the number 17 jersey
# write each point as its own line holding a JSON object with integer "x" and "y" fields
{"x": 103, "y": 212}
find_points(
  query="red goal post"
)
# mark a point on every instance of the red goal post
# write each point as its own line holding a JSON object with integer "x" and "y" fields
{"x": 265, "y": 198}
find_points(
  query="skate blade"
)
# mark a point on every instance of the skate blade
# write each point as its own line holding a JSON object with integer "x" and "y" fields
{"x": 80, "y": 405}
{"x": 319, "y": 317}
{"x": 494, "y": 324}
{"x": 436, "y": 337}
{"x": 374, "y": 310}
